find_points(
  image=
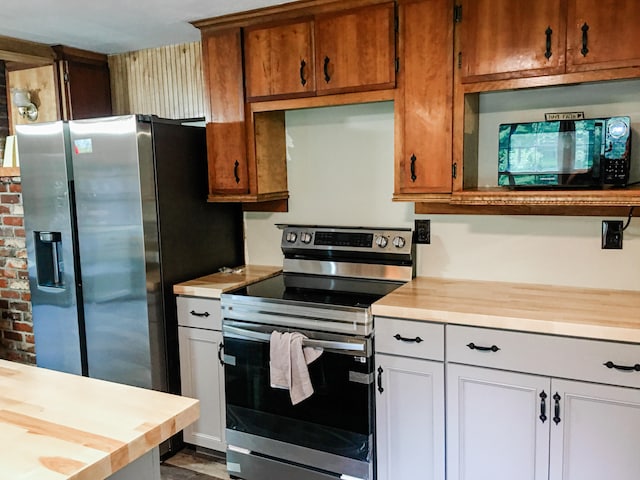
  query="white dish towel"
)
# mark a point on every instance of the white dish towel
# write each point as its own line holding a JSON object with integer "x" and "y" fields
{"x": 288, "y": 364}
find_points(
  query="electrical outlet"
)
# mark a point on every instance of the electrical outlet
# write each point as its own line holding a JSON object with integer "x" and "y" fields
{"x": 612, "y": 234}
{"x": 422, "y": 231}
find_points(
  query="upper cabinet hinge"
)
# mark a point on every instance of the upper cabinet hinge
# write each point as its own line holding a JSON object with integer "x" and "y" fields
{"x": 454, "y": 170}
{"x": 457, "y": 13}
{"x": 397, "y": 64}
{"x": 396, "y": 23}
{"x": 459, "y": 59}
{"x": 66, "y": 77}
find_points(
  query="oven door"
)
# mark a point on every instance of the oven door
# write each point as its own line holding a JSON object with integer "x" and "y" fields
{"x": 332, "y": 430}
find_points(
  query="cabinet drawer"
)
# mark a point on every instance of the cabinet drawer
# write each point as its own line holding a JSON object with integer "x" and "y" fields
{"x": 409, "y": 338}
{"x": 549, "y": 355}
{"x": 199, "y": 312}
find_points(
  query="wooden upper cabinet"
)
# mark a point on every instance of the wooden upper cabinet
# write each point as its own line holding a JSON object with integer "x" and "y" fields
{"x": 511, "y": 39}
{"x": 423, "y": 108}
{"x": 226, "y": 137}
{"x": 602, "y": 35}
{"x": 355, "y": 51}
{"x": 327, "y": 53}
{"x": 85, "y": 84}
{"x": 279, "y": 61}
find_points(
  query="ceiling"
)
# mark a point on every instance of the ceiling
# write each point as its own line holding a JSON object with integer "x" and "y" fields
{"x": 114, "y": 26}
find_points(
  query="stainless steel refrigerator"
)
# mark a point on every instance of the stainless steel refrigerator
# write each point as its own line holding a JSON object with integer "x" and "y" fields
{"x": 116, "y": 214}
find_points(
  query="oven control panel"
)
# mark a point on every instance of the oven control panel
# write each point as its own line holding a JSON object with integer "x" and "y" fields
{"x": 357, "y": 239}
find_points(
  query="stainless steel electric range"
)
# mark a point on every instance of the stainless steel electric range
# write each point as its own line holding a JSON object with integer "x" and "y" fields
{"x": 331, "y": 276}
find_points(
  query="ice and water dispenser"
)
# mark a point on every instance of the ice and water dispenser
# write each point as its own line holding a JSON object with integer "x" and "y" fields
{"x": 49, "y": 262}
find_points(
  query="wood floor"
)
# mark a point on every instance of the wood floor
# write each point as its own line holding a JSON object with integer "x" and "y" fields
{"x": 190, "y": 465}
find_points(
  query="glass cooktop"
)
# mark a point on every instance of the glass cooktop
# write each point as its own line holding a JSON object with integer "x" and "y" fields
{"x": 347, "y": 292}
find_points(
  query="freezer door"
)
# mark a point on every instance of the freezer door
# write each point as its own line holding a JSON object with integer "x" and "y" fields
{"x": 47, "y": 199}
{"x": 118, "y": 263}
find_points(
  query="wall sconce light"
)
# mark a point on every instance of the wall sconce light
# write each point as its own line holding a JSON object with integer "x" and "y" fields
{"x": 22, "y": 99}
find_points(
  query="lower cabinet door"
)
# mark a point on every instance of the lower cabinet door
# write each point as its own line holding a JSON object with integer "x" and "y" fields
{"x": 598, "y": 432}
{"x": 409, "y": 419}
{"x": 203, "y": 378}
{"x": 497, "y": 424}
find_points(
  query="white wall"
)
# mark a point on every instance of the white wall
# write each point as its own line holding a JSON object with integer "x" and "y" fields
{"x": 340, "y": 169}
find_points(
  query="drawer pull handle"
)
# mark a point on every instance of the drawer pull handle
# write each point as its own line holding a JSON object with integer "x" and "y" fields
{"x": 235, "y": 171}
{"x": 196, "y": 314}
{"x": 380, "y": 389}
{"x": 413, "y": 168}
{"x": 303, "y": 81}
{"x": 327, "y": 77}
{"x": 585, "y": 39}
{"x": 547, "y": 52}
{"x": 543, "y": 407}
{"x": 492, "y": 348}
{"x": 399, "y": 337}
{"x": 625, "y": 368}
{"x": 556, "y": 414}
{"x": 220, "y": 347}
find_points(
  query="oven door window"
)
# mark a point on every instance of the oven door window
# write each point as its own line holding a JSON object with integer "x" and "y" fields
{"x": 337, "y": 418}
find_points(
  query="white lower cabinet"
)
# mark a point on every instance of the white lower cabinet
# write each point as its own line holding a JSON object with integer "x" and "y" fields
{"x": 409, "y": 419}
{"x": 409, "y": 400}
{"x": 493, "y": 427}
{"x": 505, "y": 425}
{"x": 598, "y": 434}
{"x": 201, "y": 370}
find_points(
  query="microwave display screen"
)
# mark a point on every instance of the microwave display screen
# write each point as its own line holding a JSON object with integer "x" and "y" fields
{"x": 562, "y": 153}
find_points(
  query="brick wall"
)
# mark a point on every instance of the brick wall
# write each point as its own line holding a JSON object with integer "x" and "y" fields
{"x": 16, "y": 326}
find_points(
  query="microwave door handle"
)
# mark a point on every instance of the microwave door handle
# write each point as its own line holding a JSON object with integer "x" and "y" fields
{"x": 244, "y": 334}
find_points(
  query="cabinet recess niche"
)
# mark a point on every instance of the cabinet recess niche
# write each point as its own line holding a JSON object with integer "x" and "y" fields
{"x": 258, "y": 64}
{"x": 501, "y": 47}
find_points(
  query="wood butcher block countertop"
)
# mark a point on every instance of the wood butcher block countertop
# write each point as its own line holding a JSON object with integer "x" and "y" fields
{"x": 579, "y": 312}
{"x": 214, "y": 285}
{"x": 56, "y": 425}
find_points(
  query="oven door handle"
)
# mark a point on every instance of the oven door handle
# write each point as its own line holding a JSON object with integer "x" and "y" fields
{"x": 244, "y": 334}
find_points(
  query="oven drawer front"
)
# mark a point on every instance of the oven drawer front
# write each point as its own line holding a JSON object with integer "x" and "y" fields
{"x": 550, "y": 355}
{"x": 409, "y": 338}
{"x": 254, "y": 467}
{"x": 199, "y": 312}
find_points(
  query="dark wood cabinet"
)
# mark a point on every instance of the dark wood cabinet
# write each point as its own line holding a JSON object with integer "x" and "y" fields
{"x": 507, "y": 39}
{"x": 322, "y": 54}
{"x": 602, "y": 35}
{"x": 226, "y": 135}
{"x": 85, "y": 84}
{"x": 279, "y": 61}
{"x": 423, "y": 108}
{"x": 355, "y": 51}
{"x": 245, "y": 150}
{"x": 510, "y": 38}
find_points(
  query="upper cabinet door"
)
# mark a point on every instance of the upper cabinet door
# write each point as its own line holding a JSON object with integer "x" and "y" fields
{"x": 502, "y": 39}
{"x": 423, "y": 107}
{"x": 602, "y": 35}
{"x": 226, "y": 142}
{"x": 279, "y": 61}
{"x": 356, "y": 50}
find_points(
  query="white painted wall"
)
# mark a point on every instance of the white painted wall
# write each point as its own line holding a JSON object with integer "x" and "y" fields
{"x": 340, "y": 168}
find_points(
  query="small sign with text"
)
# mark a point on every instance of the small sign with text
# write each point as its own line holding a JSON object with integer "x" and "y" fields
{"x": 554, "y": 117}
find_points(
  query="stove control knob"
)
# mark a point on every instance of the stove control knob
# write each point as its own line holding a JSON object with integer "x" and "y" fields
{"x": 381, "y": 241}
{"x": 399, "y": 242}
{"x": 305, "y": 237}
{"x": 292, "y": 237}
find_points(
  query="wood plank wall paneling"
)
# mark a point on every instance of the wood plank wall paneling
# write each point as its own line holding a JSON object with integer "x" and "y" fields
{"x": 165, "y": 81}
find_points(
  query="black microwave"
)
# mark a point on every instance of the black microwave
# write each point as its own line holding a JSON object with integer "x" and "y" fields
{"x": 590, "y": 153}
